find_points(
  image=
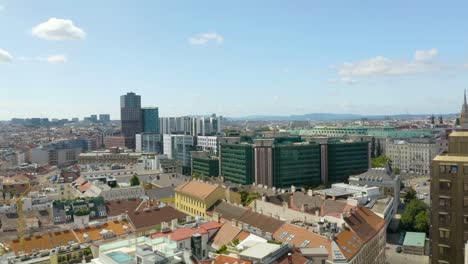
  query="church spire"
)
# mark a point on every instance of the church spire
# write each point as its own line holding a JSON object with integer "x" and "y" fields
{"x": 465, "y": 96}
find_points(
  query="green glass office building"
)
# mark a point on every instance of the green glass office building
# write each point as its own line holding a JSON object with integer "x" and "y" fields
{"x": 205, "y": 165}
{"x": 237, "y": 163}
{"x": 345, "y": 159}
{"x": 296, "y": 164}
{"x": 150, "y": 119}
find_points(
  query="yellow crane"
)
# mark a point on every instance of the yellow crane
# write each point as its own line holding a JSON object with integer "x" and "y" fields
{"x": 19, "y": 210}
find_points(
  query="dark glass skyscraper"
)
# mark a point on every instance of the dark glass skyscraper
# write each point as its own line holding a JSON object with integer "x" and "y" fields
{"x": 130, "y": 116}
{"x": 150, "y": 118}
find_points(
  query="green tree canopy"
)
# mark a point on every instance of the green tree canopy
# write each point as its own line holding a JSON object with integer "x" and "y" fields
{"x": 134, "y": 181}
{"x": 421, "y": 221}
{"x": 247, "y": 198}
{"x": 415, "y": 217}
{"x": 380, "y": 161}
{"x": 410, "y": 195}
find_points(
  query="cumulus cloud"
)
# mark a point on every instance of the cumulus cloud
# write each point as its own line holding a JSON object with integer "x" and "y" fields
{"x": 5, "y": 56}
{"x": 382, "y": 66}
{"x": 58, "y": 29}
{"x": 205, "y": 38}
{"x": 57, "y": 59}
{"x": 425, "y": 55}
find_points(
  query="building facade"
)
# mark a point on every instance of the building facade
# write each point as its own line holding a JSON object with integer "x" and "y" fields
{"x": 284, "y": 161}
{"x": 413, "y": 154}
{"x": 178, "y": 147}
{"x": 150, "y": 119}
{"x": 208, "y": 143}
{"x": 148, "y": 143}
{"x": 237, "y": 163}
{"x": 204, "y": 164}
{"x": 449, "y": 201}
{"x": 130, "y": 116}
{"x": 104, "y": 118}
{"x": 196, "y": 197}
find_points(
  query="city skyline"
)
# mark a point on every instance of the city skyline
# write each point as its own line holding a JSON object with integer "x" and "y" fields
{"x": 210, "y": 57}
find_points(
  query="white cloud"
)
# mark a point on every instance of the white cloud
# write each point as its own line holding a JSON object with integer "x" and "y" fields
{"x": 382, "y": 66}
{"x": 57, "y": 59}
{"x": 5, "y": 56}
{"x": 58, "y": 29}
{"x": 345, "y": 80}
{"x": 204, "y": 38}
{"x": 52, "y": 59}
{"x": 425, "y": 55}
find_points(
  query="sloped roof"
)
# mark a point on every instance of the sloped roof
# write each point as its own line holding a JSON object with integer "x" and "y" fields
{"x": 364, "y": 222}
{"x": 181, "y": 233}
{"x": 228, "y": 211}
{"x": 154, "y": 216}
{"x": 299, "y": 236}
{"x": 349, "y": 243}
{"x": 262, "y": 222}
{"x": 197, "y": 189}
{"x": 117, "y": 207}
{"x": 225, "y": 234}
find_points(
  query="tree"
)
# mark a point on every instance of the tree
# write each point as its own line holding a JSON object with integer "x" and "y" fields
{"x": 372, "y": 148}
{"x": 380, "y": 161}
{"x": 421, "y": 221}
{"x": 396, "y": 170}
{"x": 247, "y": 198}
{"x": 222, "y": 250}
{"x": 415, "y": 217}
{"x": 410, "y": 195}
{"x": 379, "y": 149}
{"x": 134, "y": 181}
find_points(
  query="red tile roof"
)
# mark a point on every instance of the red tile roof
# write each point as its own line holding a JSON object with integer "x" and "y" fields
{"x": 364, "y": 222}
{"x": 181, "y": 233}
{"x": 211, "y": 225}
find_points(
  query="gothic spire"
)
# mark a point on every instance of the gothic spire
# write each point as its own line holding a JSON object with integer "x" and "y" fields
{"x": 465, "y": 96}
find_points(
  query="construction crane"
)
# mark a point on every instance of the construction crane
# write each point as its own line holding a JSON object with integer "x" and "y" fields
{"x": 19, "y": 211}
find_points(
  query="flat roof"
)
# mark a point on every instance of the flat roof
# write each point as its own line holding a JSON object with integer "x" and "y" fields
{"x": 414, "y": 239}
{"x": 459, "y": 134}
{"x": 451, "y": 158}
{"x": 260, "y": 250}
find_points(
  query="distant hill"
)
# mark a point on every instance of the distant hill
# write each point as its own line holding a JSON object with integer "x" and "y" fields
{"x": 330, "y": 116}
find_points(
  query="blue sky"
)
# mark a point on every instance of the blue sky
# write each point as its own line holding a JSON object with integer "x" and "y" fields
{"x": 234, "y": 58}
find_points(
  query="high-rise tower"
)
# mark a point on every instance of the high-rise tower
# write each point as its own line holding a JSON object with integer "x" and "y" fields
{"x": 130, "y": 116}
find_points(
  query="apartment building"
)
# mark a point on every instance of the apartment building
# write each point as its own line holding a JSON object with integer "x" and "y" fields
{"x": 449, "y": 194}
{"x": 196, "y": 197}
{"x": 412, "y": 155}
